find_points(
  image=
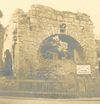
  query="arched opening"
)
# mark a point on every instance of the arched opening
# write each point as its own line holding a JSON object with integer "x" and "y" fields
{"x": 7, "y": 65}
{"x": 60, "y": 46}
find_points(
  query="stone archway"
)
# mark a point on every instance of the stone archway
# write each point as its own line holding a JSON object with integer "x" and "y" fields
{"x": 60, "y": 46}
{"x": 57, "y": 54}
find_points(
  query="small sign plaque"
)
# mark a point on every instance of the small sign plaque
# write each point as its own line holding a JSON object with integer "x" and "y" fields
{"x": 83, "y": 69}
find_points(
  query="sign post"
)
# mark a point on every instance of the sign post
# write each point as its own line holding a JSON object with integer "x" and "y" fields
{"x": 82, "y": 72}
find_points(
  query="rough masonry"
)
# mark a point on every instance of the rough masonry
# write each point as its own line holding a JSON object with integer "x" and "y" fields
{"x": 1, "y": 44}
{"x": 27, "y": 32}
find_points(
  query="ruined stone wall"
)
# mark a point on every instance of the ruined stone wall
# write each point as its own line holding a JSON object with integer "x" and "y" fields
{"x": 1, "y": 44}
{"x": 30, "y": 29}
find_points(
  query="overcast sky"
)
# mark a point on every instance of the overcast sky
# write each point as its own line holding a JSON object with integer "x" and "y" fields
{"x": 91, "y": 7}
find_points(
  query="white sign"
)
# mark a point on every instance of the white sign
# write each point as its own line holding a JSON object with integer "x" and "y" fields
{"x": 83, "y": 69}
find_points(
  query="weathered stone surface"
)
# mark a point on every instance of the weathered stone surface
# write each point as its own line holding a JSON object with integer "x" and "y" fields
{"x": 27, "y": 32}
{"x": 98, "y": 47}
{"x": 1, "y": 44}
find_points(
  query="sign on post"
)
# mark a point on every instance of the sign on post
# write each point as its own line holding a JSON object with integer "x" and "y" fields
{"x": 83, "y": 69}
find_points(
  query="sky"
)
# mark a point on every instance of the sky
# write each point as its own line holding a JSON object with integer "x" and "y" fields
{"x": 91, "y": 7}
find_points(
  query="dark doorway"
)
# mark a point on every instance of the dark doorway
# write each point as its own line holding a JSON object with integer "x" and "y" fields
{"x": 7, "y": 67}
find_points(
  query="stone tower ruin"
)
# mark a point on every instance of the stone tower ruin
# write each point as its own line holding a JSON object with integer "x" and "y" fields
{"x": 29, "y": 35}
